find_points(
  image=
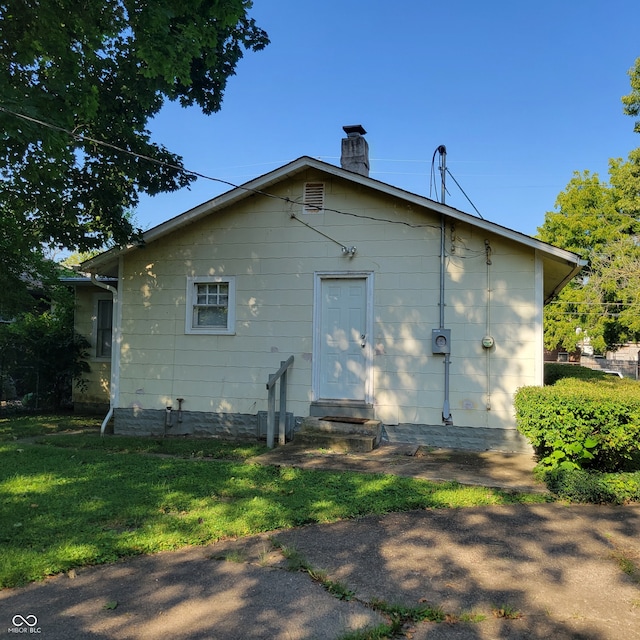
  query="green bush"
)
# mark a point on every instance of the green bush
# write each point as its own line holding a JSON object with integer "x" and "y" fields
{"x": 582, "y": 424}
{"x": 579, "y": 485}
{"x": 43, "y": 355}
{"x": 554, "y": 371}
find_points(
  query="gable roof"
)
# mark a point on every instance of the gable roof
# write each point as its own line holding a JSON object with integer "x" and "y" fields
{"x": 560, "y": 266}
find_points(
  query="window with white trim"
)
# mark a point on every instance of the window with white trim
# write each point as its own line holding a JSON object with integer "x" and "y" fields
{"x": 103, "y": 326}
{"x": 211, "y": 305}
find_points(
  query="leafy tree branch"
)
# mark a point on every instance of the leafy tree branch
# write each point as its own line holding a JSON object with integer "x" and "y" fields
{"x": 600, "y": 222}
{"x": 101, "y": 69}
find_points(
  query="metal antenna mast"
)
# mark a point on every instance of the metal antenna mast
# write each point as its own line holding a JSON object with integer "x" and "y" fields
{"x": 442, "y": 150}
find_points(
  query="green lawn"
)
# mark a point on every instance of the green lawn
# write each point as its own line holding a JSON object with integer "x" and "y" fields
{"x": 74, "y": 500}
{"x": 25, "y": 426}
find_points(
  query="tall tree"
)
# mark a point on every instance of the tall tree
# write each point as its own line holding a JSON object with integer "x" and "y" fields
{"x": 585, "y": 220}
{"x": 96, "y": 71}
{"x": 22, "y": 264}
{"x": 601, "y": 222}
{"x": 631, "y": 101}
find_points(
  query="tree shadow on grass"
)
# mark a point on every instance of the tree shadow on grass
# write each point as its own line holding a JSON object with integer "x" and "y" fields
{"x": 551, "y": 563}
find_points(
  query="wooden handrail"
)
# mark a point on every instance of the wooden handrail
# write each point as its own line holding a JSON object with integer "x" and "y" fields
{"x": 280, "y": 374}
{"x": 284, "y": 365}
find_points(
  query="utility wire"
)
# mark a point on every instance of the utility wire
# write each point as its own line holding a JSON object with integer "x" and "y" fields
{"x": 433, "y": 182}
{"x": 594, "y": 304}
{"x": 306, "y": 224}
{"x": 432, "y": 177}
{"x": 463, "y": 193}
{"x": 82, "y": 138}
{"x": 88, "y": 139}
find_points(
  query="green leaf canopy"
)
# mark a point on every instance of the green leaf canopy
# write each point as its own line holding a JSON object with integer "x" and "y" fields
{"x": 101, "y": 69}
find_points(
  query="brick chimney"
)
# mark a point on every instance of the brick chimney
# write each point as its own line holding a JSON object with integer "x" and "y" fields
{"x": 355, "y": 150}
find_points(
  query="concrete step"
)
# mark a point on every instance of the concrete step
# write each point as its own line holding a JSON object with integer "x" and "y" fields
{"x": 341, "y": 424}
{"x": 340, "y": 433}
{"x": 346, "y": 442}
{"x": 345, "y": 408}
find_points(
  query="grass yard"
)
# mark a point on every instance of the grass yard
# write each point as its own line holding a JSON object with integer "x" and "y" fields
{"x": 26, "y": 426}
{"x": 69, "y": 500}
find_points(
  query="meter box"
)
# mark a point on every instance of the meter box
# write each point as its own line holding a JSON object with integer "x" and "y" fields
{"x": 441, "y": 340}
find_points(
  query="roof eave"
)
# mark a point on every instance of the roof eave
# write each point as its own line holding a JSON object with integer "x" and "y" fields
{"x": 108, "y": 259}
{"x": 574, "y": 271}
{"x": 236, "y": 194}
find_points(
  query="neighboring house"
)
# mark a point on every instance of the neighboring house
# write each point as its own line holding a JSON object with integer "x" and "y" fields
{"x": 395, "y": 307}
{"x": 625, "y": 360}
{"x": 626, "y": 352}
{"x": 94, "y": 321}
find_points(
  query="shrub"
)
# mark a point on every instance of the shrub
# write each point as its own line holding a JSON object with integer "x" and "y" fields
{"x": 43, "y": 355}
{"x": 582, "y": 423}
{"x": 579, "y": 485}
{"x": 554, "y": 371}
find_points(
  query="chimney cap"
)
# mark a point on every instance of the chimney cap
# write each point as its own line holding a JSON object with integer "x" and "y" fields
{"x": 353, "y": 130}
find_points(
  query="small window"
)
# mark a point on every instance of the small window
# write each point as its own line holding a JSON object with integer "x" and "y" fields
{"x": 210, "y": 305}
{"x": 313, "y": 199}
{"x": 104, "y": 327}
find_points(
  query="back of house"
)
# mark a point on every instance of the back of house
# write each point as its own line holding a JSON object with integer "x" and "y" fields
{"x": 394, "y": 307}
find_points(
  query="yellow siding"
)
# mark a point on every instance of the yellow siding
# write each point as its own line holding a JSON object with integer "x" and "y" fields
{"x": 96, "y": 393}
{"x": 274, "y": 257}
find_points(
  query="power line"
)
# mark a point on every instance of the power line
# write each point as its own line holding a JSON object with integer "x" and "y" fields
{"x": 102, "y": 143}
{"x": 464, "y": 194}
{"x": 88, "y": 139}
{"x": 600, "y": 304}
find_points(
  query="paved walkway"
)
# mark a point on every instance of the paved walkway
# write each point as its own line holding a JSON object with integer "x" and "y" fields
{"x": 508, "y": 572}
{"x": 512, "y": 471}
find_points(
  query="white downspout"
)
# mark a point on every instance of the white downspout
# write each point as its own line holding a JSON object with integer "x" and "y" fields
{"x": 115, "y": 350}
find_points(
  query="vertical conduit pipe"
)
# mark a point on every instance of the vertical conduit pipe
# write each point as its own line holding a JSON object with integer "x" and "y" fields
{"x": 487, "y": 246}
{"x": 446, "y": 411}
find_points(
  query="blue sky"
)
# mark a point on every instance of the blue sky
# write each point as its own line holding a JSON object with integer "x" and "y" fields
{"x": 522, "y": 94}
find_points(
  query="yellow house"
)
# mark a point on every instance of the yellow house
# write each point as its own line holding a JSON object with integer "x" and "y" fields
{"x": 394, "y": 307}
{"x": 94, "y": 321}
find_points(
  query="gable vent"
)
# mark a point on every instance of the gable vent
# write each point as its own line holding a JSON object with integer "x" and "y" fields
{"x": 313, "y": 201}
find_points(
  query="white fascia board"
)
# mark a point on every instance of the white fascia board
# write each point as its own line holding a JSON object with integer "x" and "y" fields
{"x": 259, "y": 184}
{"x": 450, "y": 212}
{"x": 253, "y": 187}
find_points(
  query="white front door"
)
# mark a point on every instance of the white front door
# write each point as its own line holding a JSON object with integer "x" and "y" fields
{"x": 342, "y": 368}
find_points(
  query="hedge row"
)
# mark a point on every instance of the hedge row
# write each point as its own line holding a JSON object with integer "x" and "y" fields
{"x": 555, "y": 371}
{"x": 580, "y": 485}
{"x": 590, "y": 423}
